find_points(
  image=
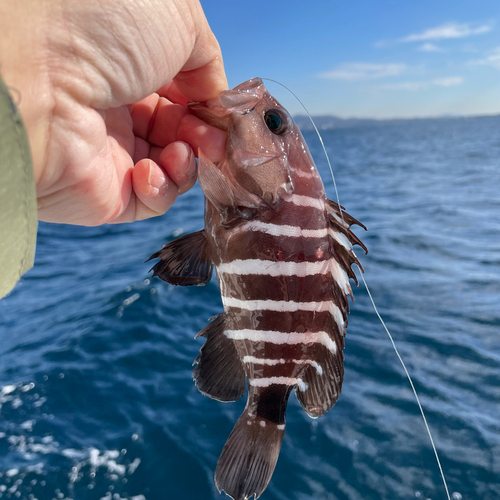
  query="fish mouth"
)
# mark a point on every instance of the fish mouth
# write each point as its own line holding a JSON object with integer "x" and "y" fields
{"x": 244, "y": 97}
{"x": 241, "y": 100}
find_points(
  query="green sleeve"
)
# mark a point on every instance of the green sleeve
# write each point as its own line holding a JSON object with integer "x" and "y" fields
{"x": 18, "y": 210}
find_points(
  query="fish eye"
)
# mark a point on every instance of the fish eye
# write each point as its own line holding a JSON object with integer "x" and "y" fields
{"x": 277, "y": 121}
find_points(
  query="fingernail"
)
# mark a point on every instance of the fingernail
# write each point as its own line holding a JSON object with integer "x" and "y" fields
{"x": 156, "y": 177}
{"x": 190, "y": 172}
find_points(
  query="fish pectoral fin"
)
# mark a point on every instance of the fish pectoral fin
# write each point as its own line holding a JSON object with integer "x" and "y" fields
{"x": 184, "y": 261}
{"x": 219, "y": 371}
{"x": 323, "y": 383}
{"x": 220, "y": 187}
{"x": 249, "y": 457}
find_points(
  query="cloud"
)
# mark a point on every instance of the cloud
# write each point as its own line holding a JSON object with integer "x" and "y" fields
{"x": 409, "y": 86}
{"x": 450, "y": 81}
{"x": 363, "y": 71}
{"x": 447, "y": 31}
{"x": 492, "y": 59}
{"x": 430, "y": 47}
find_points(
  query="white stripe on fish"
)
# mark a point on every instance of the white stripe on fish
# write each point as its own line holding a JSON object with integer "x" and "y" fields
{"x": 285, "y": 230}
{"x": 286, "y": 306}
{"x": 276, "y": 268}
{"x": 281, "y": 361}
{"x": 279, "y": 268}
{"x": 274, "y": 337}
{"x": 307, "y": 174}
{"x": 291, "y": 232}
{"x": 267, "y": 381}
{"x": 305, "y": 201}
{"x": 295, "y": 232}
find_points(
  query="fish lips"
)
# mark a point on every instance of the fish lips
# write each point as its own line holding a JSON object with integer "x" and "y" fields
{"x": 216, "y": 112}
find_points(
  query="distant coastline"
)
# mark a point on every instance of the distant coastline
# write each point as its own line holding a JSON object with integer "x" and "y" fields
{"x": 326, "y": 122}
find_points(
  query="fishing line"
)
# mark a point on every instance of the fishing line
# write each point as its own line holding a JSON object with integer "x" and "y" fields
{"x": 411, "y": 384}
{"x": 373, "y": 302}
{"x": 320, "y": 140}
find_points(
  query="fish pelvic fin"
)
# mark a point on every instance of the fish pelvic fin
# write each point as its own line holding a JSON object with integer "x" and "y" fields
{"x": 219, "y": 371}
{"x": 184, "y": 261}
{"x": 249, "y": 457}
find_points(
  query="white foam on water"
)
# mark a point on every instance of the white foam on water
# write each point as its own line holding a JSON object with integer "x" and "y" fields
{"x": 7, "y": 389}
{"x": 28, "y": 425}
{"x": 74, "y": 454}
{"x": 133, "y": 466}
{"x": 33, "y": 454}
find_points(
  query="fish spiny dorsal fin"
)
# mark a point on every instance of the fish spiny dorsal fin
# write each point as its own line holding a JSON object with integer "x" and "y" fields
{"x": 343, "y": 218}
{"x": 343, "y": 238}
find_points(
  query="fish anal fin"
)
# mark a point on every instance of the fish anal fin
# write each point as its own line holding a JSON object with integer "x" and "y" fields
{"x": 184, "y": 261}
{"x": 323, "y": 382}
{"x": 249, "y": 457}
{"x": 219, "y": 371}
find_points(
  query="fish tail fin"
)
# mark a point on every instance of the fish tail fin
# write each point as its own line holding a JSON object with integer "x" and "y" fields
{"x": 249, "y": 457}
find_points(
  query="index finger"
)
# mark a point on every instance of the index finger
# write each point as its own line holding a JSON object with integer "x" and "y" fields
{"x": 173, "y": 94}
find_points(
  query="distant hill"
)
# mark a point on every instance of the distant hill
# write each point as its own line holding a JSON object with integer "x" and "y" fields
{"x": 329, "y": 121}
{"x": 324, "y": 122}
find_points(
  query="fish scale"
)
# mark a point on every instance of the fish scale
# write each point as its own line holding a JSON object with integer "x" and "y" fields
{"x": 283, "y": 254}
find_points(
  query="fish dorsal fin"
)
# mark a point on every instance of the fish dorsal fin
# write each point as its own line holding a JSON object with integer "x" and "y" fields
{"x": 343, "y": 221}
{"x": 184, "y": 261}
{"x": 219, "y": 371}
{"x": 343, "y": 238}
{"x": 323, "y": 378}
{"x": 220, "y": 187}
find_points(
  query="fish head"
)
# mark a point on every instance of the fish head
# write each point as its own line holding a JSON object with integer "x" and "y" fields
{"x": 262, "y": 140}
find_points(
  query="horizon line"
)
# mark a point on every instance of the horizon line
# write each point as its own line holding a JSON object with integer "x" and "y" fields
{"x": 429, "y": 117}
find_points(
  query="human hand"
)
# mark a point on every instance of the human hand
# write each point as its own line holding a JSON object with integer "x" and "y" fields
{"x": 107, "y": 145}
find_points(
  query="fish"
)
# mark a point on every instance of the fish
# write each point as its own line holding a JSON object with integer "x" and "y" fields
{"x": 282, "y": 252}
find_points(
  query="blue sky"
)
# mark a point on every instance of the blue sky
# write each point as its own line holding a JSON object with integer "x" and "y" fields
{"x": 367, "y": 58}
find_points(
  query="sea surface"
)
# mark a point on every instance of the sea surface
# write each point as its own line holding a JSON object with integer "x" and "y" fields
{"x": 96, "y": 396}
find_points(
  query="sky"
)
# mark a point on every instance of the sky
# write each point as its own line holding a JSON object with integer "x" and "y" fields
{"x": 366, "y": 58}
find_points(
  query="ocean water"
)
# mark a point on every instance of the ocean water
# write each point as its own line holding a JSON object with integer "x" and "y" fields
{"x": 96, "y": 396}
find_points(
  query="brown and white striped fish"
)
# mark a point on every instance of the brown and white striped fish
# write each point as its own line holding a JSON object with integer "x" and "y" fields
{"x": 283, "y": 255}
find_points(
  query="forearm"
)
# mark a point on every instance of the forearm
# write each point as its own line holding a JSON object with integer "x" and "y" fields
{"x": 23, "y": 66}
